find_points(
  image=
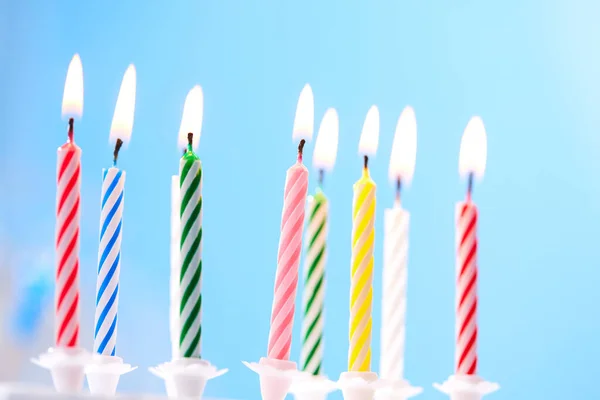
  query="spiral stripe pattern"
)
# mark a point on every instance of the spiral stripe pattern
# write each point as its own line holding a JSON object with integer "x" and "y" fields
{"x": 466, "y": 294}
{"x": 190, "y": 311}
{"x": 394, "y": 293}
{"x": 361, "y": 282}
{"x": 67, "y": 245}
{"x": 109, "y": 261}
{"x": 288, "y": 260}
{"x": 311, "y": 356}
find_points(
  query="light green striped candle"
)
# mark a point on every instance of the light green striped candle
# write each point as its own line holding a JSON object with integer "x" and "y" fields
{"x": 311, "y": 357}
{"x": 190, "y": 186}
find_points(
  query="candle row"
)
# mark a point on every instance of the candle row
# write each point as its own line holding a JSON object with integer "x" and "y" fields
{"x": 396, "y": 226}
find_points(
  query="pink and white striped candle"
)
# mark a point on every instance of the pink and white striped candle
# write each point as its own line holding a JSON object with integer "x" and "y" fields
{"x": 288, "y": 260}
{"x": 67, "y": 216}
{"x": 471, "y": 164}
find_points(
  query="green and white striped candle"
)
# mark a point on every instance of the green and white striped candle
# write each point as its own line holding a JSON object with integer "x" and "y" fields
{"x": 311, "y": 356}
{"x": 190, "y": 191}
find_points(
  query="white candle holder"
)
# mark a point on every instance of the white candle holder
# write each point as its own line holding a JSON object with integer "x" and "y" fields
{"x": 466, "y": 387}
{"x": 359, "y": 385}
{"x": 66, "y": 366}
{"x": 397, "y": 389}
{"x": 186, "y": 377}
{"x": 276, "y": 376}
{"x": 103, "y": 374}
{"x": 310, "y": 387}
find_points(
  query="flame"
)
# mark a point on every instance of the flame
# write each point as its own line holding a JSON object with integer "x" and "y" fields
{"x": 72, "y": 105}
{"x": 191, "y": 121}
{"x": 327, "y": 141}
{"x": 122, "y": 122}
{"x": 305, "y": 115}
{"x": 369, "y": 138}
{"x": 404, "y": 148}
{"x": 473, "y": 149}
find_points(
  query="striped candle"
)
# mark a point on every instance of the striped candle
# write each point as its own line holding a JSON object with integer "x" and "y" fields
{"x": 311, "y": 357}
{"x": 67, "y": 243}
{"x": 466, "y": 288}
{"x": 288, "y": 260}
{"x": 175, "y": 268}
{"x": 190, "y": 256}
{"x": 361, "y": 281}
{"x": 395, "y": 249}
{"x": 109, "y": 261}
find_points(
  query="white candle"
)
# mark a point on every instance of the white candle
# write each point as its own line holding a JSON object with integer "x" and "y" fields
{"x": 175, "y": 269}
{"x": 396, "y": 223}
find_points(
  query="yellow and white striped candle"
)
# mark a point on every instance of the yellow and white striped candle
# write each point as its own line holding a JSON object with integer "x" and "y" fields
{"x": 363, "y": 241}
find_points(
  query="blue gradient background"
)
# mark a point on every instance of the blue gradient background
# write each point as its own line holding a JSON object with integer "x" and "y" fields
{"x": 528, "y": 67}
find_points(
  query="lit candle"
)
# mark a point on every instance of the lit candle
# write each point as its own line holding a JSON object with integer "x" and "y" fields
{"x": 190, "y": 228}
{"x": 311, "y": 357}
{"x": 472, "y": 160}
{"x": 395, "y": 249}
{"x": 290, "y": 240}
{"x": 67, "y": 215}
{"x": 111, "y": 222}
{"x": 363, "y": 240}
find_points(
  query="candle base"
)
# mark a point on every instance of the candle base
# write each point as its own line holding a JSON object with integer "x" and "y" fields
{"x": 66, "y": 366}
{"x": 466, "y": 387}
{"x": 276, "y": 376}
{"x": 359, "y": 385}
{"x": 186, "y": 377}
{"x": 311, "y": 387}
{"x": 398, "y": 389}
{"x": 103, "y": 374}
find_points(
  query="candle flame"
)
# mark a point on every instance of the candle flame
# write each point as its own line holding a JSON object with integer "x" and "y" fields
{"x": 305, "y": 115}
{"x": 473, "y": 149}
{"x": 72, "y": 105}
{"x": 122, "y": 123}
{"x": 191, "y": 120}
{"x": 327, "y": 141}
{"x": 369, "y": 138}
{"x": 404, "y": 148}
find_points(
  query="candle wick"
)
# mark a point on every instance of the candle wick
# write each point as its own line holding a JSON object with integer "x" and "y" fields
{"x": 190, "y": 140}
{"x": 321, "y": 177}
{"x": 398, "y": 189}
{"x": 301, "y": 149}
{"x": 70, "y": 132}
{"x": 366, "y": 162}
{"x": 118, "y": 145}
{"x": 470, "y": 186}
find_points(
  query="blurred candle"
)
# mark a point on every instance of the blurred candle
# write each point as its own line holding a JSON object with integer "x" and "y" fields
{"x": 190, "y": 228}
{"x": 363, "y": 240}
{"x": 472, "y": 160}
{"x": 290, "y": 240}
{"x": 311, "y": 357}
{"x": 395, "y": 249}
{"x": 67, "y": 215}
{"x": 111, "y": 222}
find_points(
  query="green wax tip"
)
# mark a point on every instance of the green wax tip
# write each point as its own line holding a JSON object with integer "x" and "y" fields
{"x": 320, "y": 196}
{"x": 190, "y": 155}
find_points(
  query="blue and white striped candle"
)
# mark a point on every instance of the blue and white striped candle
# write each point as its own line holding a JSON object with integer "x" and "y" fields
{"x": 111, "y": 223}
{"x": 109, "y": 261}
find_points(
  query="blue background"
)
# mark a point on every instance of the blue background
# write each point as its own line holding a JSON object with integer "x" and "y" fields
{"x": 528, "y": 67}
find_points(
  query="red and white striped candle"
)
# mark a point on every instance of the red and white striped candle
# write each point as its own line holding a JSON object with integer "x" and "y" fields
{"x": 472, "y": 162}
{"x": 67, "y": 216}
{"x": 290, "y": 241}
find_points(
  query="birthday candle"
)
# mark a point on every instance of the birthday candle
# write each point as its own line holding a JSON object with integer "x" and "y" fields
{"x": 190, "y": 229}
{"x": 111, "y": 223}
{"x": 395, "y": 248}
{"x": 290, "y": 240}
{"x": 472, "y": 159}
{"x": 311, "y": 357}
{"x": 363, "y": 240}
{"x": 67, "y": 216}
